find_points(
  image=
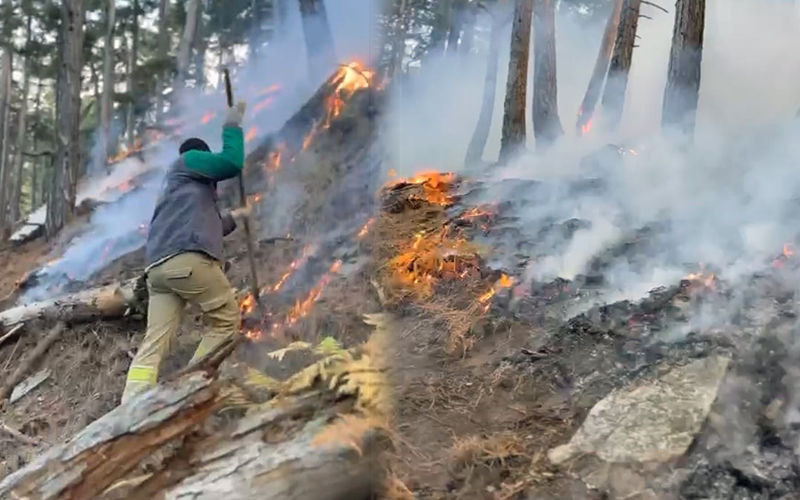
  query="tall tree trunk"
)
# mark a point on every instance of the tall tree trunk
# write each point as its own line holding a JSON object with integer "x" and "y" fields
{"x": 456, "y": 18}
{"x": 5, "y": 114}
{"x": 200, "y": 53}
{"x": 398, "y": 40}
{"x": 319, "y": 40}
{"x": 468, "y": 35}
{"x": 107, "y": 104}
{"x": 21, "y": 128}
{"x": 617, "y": 83}
{"x": 685, "y": 58}
{"x": 440, "y": 29}
{"x": 61, "y": 205}
{"x": 187, "y": 41}
{"x": 599, "y": 72}
{"x": 546, "y": 122}
{"x": 163, "y": 48}
{"x": 37, "y": 105}
{"x": 133, "y": 57}
{"x": 512, "y": 140}
{"x": 481, "y": 134}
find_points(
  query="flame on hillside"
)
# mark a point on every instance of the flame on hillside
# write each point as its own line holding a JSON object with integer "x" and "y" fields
{"x": 252, "y": 133}
{"x": 701, "y": 280}
{"x": 353, "y": 78}
{"x": 436, "y": 186}
{"x": 308, "y": 252}
{"x": 503, "y": 283}
{"x": 432, "y": 257}
{"x": 207, "y": 117}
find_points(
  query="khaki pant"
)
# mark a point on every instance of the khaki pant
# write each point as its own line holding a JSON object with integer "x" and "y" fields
{"x": 188, "y": 277}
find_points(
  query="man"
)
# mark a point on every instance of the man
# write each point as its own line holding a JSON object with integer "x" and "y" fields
{"x": 184, "y": 252}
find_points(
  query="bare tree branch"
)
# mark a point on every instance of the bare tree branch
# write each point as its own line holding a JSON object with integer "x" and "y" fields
{"x": 645, "y": 2}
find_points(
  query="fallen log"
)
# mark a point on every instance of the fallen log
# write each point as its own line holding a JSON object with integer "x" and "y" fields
{"x": 107, "y": 302}
{"x": 287, "y": 450}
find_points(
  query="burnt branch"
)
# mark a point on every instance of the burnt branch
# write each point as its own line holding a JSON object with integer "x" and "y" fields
{"x": 662, "y": 9}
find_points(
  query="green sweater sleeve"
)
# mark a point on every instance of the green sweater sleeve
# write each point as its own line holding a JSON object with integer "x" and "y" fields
{"x": 223, "y": 165}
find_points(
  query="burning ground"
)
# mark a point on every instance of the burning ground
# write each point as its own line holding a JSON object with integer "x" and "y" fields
{"x": 508, "y": 381}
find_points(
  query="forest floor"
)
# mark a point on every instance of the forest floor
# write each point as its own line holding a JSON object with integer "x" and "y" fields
{"x": 490, "y": 373}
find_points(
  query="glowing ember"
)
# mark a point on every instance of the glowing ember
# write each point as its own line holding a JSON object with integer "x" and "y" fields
{"x": 275, "y": 157}
{"x": 247, "y": 304}
{"x": 633, "y": 152}
{"x": 296, "y": 264}
{"x": 365, "y": 228}
{"x": 251, "y": 134}
{"x": 262, "y": 105}
{"x": 207, "y": 117}
{"x": 431, "y": 257}
{"x": 502, "y": 283}
{"x": 302, "y": 307}
{"x": 586, "y": 127}
{"x": 269, "y": 90}
{"x": 702, "y": 279}
{"x": 786, "y": 253}
{"x": 353, "y": 77}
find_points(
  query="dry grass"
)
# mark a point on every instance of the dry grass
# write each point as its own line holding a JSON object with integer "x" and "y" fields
{"x": 493, "y": 450}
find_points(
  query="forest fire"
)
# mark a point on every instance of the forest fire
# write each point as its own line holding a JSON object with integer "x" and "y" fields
{"x": 125, "y": 152}
{"x": 247, "y": 304}
{"x": 252, "y": 133}
{"x": 700, "y": 280}
{"x": 436, "y": 186}
{"x": 432, "y": 257}
{"x": 308, "y": 252}
{"x": 354, "y": 77}
{"x": 260, "y": 106}
{"x": 503, "y": 283}
{"x": 268, "y": 90}
{"x": 786, "y": 254}
{"x": 586, "y": 127}
{"x": 365, "y": 228}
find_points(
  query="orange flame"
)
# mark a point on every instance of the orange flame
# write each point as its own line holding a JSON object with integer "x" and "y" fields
{"x": 262, "y": 105}
{"x": 365, "y": 228}
{"x": 702, "y": 279}
{"x": 586, "y": 127}
{"x": 251, "y": 134}
{"x": 247, "y": 304}
{"x": 302, "y": 307}
{"x": 504, "y": 282}
{"x": 435, "y": 186}
{"x": 207, "y": 117}
{"x": 268, "y": 90}
{"x": 296, "y": 264}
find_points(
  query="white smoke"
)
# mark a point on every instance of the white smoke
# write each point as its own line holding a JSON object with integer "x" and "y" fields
{"x": 729, "y": 201}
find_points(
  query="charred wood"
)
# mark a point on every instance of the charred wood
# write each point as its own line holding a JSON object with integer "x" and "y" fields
{"x": 617, "y": 83}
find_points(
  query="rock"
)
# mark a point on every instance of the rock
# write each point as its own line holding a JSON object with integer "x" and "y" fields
{"x": 653, "y": 421}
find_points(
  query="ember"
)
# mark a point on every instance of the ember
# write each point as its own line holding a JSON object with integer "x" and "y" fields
{"x": 355, "y": 77}
{"x": 207, "y": 117}
{"x": 247, "y": 304}
{"x": 269, "y": 90}
{"x": 586, "y": 127}
{"x": 251, "y": 134}
{"x": 302, "y": 308}
{"x": 262, "y": 105}
{"x": 308, "y": 251}
{"x": 365, "y": 228}
{"x": 436, "y": 186}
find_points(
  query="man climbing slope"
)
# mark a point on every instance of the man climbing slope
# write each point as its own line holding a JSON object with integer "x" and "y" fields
{"x": 184, "y": 252}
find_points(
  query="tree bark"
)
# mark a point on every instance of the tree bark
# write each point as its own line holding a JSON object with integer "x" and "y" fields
{"x": 5, "y": 116}
{"x": 163, "y": 48}
{"x": 21, "y": 135}
{"x": 546, "y": 122}
{"x": 398, "y": 40}
{"x": 22, "y": 127}
{"x": 107, "y": 302}
{"x": 107, "y": 103}
{"x": 61, "y": 204}
{"x": 617, "y": 83}
{"x": 592, "y": 94}
{"x": 440, "y": 29}
{"x": 133, "y": 57}
{"x": 685, "y": 59}
{"x": 248, "y": 462}
{"x": 512, "y": 140}
{"x": 319, "y": 40}
{"x": 481, "y": 134}
{"x": 456, "y": 18}
{"x": 200, "y": 53}
{"x": 35, "y": 162}
{"x": 187, "y": 41}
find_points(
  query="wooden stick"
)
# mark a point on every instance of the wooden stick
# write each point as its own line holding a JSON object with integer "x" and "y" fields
{"x": 17, "y": 434}
{"x": 11, "y": 332}
{"x": 251, "y": 251}
{"x": 26, "y": 365}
